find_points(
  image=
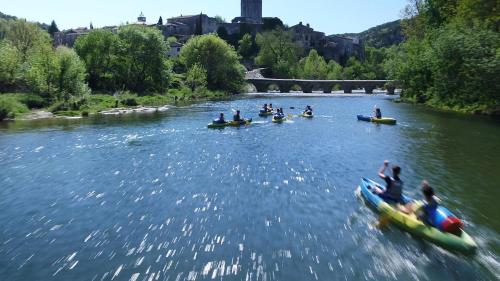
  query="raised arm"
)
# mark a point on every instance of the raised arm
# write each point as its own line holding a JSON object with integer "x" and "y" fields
{"x": 381, "y": 172}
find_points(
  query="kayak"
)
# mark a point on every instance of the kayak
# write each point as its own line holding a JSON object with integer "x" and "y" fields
{"x": 306, "y": 115}
{"x": 229, "y": 124}
{"x": 458, "y": 242}
{"x": 265, "y": 113}
{"x": 278, "y": 120}
{"x": 384, "y": 120}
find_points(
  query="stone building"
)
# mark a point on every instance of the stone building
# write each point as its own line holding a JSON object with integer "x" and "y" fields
{"x": 306, "y": 37}
{"x": 251, "y": 12}
{"x": 250, "y": 21}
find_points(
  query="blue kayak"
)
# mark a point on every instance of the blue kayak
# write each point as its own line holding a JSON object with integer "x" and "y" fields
{"x": 459, "y": 242}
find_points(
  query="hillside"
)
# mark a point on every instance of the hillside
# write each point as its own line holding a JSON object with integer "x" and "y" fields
{"x": 384, "y": 35}
{"x": 9, "y": 17}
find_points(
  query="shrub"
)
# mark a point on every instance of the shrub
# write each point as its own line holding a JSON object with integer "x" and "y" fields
{"x": 10, "y": 107}
{"x": 33, "y": 101}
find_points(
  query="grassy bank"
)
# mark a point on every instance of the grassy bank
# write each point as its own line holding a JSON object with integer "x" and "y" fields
{"x": 476, "y": 109}
{"x": 16, "y": 105}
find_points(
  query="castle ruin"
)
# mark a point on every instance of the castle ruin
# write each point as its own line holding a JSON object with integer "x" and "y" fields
{"x": 332, "y": 47}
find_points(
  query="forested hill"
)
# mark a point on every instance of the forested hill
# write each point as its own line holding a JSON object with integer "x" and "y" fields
{"x": 384, "y": 35}
{"x": 9, "y": 17}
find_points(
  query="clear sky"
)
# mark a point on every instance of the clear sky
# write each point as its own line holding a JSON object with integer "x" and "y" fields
{"x": 329, "y": 16}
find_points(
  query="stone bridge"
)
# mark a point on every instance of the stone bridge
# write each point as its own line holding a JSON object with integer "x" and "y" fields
{"x": 327, "y": 86}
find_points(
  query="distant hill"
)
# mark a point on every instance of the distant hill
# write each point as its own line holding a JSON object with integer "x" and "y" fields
{"x": 9, "y": 17}
{"x": 384, "y": 35}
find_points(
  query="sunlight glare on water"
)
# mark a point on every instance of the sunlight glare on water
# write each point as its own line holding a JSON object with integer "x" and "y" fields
{"x": 161, "y": 197}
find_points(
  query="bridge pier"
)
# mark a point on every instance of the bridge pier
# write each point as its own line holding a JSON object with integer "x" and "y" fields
{"x": 347, "y": 90}
{"x": 391, "y": 90}
{"x": 369, "y": 90}
{"x": 285, "y": 88}
{"x": 327, "y": 90}
{"x": 262, "y": 88}
{"x": 306, "y": 88}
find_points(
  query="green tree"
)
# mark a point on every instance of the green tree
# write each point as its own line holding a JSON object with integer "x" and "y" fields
{"x": 277, "y": 52}
{"x": 246, "y": 46}
{"x": 10, "y": 66}
{"x": 353, "y": 70}
{"x": 53, "y": 28}
{"x": 42, "y": 72}
{"x": 334, "y": 70}
{"x": 218, "y": 58}
{"x": 143, "y": 65}
{"x": 71, "y": 74}
{"x": 196, "y": 77}
{"x": 99, "y": 51}
{"x": 313, "y": 67}
{"x": 25, "y": 36}
{"x": 160, "y": 21}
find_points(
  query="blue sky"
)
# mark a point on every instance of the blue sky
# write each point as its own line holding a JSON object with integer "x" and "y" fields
{"x": 330, "y": 16}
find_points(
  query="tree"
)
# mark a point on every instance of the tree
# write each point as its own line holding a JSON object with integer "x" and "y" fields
{"x": 218, "y": 58}
{"x": 42, "y": 72}
{"x": 10, "y": 66}
{"x": 25, "y": 36}
{"x": 99, "y": 51}
{"x": 53, "y": 28}
{"x": 199, "y": 25}
{"x": 246, "y": 46}
{"x": 143, "y": 65}
{"x": 334, "y": 70}
{"x": 91, "y": 26}
{"x": 353, "y": 69}
{"x": 196, "y": 77}
{"x": 277, "y": 52}
{"x": 313, "y": 67}
{"x": 71, "y": 74}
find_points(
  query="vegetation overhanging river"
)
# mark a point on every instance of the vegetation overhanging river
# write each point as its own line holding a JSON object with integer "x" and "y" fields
{"x": 161, "y": 197}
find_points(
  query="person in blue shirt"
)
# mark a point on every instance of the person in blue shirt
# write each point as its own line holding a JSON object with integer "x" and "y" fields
{"x": 430, "y": 204}
{"x": 394, "y": 185}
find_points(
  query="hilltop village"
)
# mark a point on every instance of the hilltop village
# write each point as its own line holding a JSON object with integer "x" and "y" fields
{"x": 184, "y": 27}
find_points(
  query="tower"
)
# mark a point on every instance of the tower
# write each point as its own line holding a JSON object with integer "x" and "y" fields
{"x": 251, "y": 10}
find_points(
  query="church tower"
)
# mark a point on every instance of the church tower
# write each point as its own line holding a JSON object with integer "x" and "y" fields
{"x": 251, "y": 11}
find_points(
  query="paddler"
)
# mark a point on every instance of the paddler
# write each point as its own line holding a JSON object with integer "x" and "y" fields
{"x": 377, "y": 113}
{"x": 221, "y": 119}
{"x": 430, "y": 204}
{"x": 308, "y": 110}
{"x": 270, "y": 107}
{"x": 265, "y": 108}
{"x": 394, "y": 185}
{"x": 237, "y": 117}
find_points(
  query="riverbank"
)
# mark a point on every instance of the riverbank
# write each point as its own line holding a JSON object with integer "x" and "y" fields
{"x": 26, "y": 106}
{"x": 475, "y": 109}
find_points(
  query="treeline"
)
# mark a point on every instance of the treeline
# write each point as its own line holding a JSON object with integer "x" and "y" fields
{"x": 276, "y": 51}
{"x": 451, "y": 57}
{"x": 131, "y": 61}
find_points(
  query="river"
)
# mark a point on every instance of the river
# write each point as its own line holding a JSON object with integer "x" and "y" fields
{"x": 161, "y": 197}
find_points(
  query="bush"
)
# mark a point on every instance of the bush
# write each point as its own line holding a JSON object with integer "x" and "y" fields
{"x": 33, "y": 101}
{"x": 10, "y": 107}
{"x": 128, "y": 99}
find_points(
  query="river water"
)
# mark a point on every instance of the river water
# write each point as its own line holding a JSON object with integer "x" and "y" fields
{"x": 161, "y": 197}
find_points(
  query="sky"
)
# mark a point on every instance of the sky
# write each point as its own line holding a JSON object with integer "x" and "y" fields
{"x": 329, "y": 16}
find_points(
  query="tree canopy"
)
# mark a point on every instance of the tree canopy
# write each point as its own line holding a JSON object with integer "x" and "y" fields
{"x": 218, "y": 58}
